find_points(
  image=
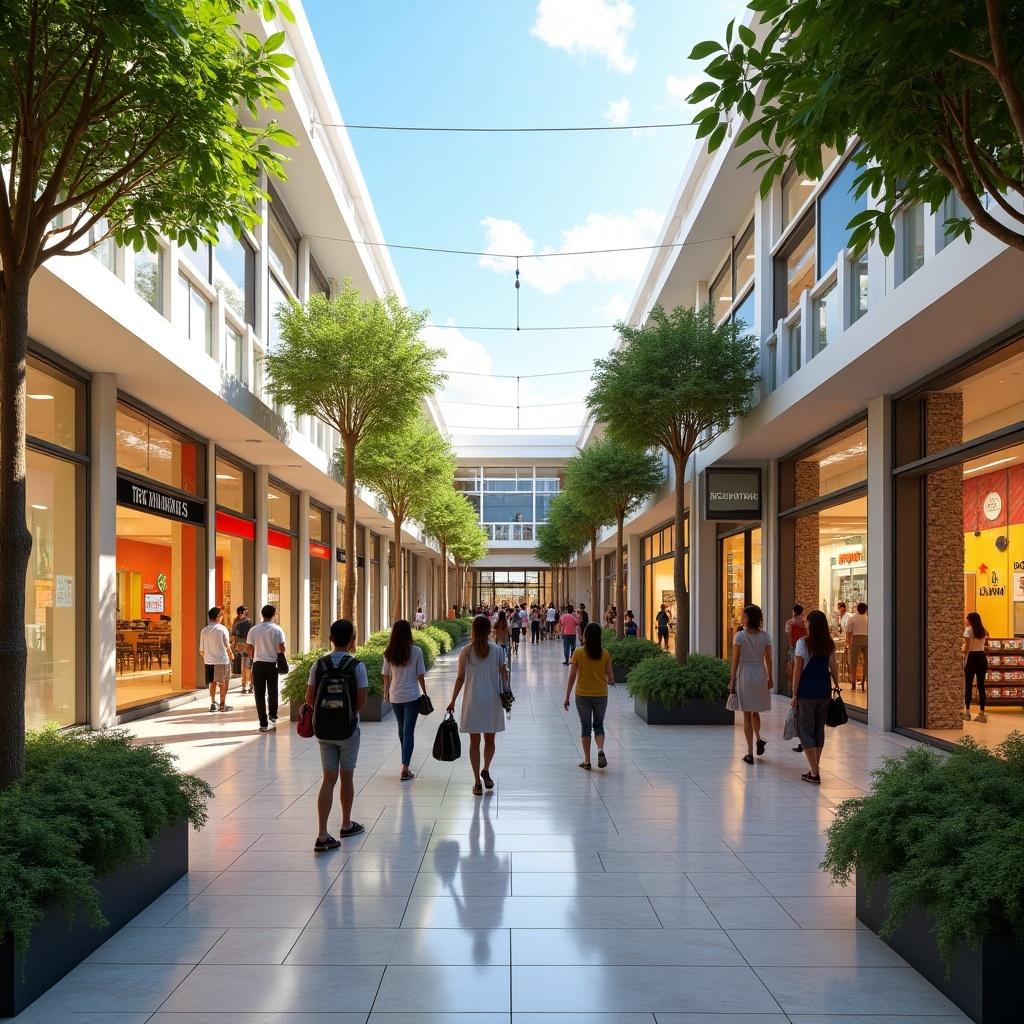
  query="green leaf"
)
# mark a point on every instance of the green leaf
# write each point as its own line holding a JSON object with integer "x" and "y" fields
{"x": 746, "y": 34}
{"x": 705, "y": 49}
{"x": 703, "y": 92}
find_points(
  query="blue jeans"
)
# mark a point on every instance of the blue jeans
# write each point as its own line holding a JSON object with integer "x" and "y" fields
{"x": 569, "y": 645}
{"x": 406, "y": 715}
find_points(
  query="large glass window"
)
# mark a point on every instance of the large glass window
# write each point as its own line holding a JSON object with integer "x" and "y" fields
{"x": 151, "y": 450}
{"x": 276, "y": 298}
{"x": 104, "y": 248}
{"x": 743, "y": 259}
{"x": 745, "y": 311}
{"x": 836, "y": 207}
{"x": 913, "y": 240}
{"x": 828, "y": 322}
{"x": 54, "y": 409}
{"x": 281, "y": 507}
{"x": 795, "y": 268}
{"x": 195, "y": 312}
{"x": 657, "y": 551}
{"x": 720, "y": 291}
{"x": 320, "y": 556}
{"x": 508, "y": 508}
{"x": 284, "y": 256}
{"x": 233, "y": 269}
{"x": 740, "y": 581}
{"x": 149, "y": 277}
{"x": 281, "y": 583}
{"x": 840, "y": 462}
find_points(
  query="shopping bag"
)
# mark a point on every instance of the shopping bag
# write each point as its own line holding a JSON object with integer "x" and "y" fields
{"x": 732, "y": 702}
{"x": 426, "y": 705}
{"x": 836, "y": 714}
{"x": 447, "y": 745}
{"x": 305, "y": 725}
{"x": 789, "y": 729}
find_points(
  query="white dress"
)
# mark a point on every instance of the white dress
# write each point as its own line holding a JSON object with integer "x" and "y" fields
{"x": 751, "y": 675}
{"x": 481, "y": 702}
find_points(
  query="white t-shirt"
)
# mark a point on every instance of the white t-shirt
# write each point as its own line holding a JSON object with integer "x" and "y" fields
{"x": 974, "y": 644}
{"x": 551, "y": 615}
{"x": 843, "y": 620}
{"x": 265, "y": 638}
{"x": 215, "y": 644}
{"x": 419, "y": 619}
{"x": 404, "y": 685}
{"x": 856, "y": 625}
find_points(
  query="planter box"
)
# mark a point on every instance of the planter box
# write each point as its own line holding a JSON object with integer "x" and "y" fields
{"x": 56, "y": 946}
{"x": 619, "y": 674}
{"x": 693, "y": 712}
{"x": 376, "y": 710}
{"x": 986, "y": 983}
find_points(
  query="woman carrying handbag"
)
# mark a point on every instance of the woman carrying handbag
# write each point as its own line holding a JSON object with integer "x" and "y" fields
{"x": 815, "y": 674}
{"x": 405, "y": 683}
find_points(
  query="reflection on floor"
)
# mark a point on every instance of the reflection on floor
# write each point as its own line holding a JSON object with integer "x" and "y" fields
{"x": 858, "y": 698}
{"x": 1001, "y": 722}
{"x": 678, "y": 879}
{"x": 136, "y": 688}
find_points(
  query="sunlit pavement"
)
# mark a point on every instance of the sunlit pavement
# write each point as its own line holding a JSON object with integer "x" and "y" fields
{"x": 679, "y": 885}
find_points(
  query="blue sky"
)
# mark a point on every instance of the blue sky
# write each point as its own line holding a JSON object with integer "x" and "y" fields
{"x": 518, "y": 63}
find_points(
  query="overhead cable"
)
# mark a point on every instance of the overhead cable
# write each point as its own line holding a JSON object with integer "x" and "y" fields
{"x": 456, "y": 129}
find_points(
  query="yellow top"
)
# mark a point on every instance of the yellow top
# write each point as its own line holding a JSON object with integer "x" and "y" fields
{"x": 590, "y": 679}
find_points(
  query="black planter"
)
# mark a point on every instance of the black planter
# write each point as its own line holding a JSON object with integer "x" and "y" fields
{"x": 376, "y": 710}
{"x": 619, "y": 673}
{"x": 986, "y": 983}
{"x": 56, "y": 946}
{"x": 693, "y": 712}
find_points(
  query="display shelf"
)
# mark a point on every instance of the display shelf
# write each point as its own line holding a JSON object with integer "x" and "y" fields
{"x": 1004, "y": 681}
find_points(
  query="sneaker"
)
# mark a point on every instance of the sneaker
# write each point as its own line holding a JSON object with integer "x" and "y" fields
{"x": 273, "y": 718}
{"x": 273, "y": 725}
{"x": 330, "y": 843}
{"x": 213, "y": 706}
{"x": 967, "y": 716}
{"x": 264, "y": 728}
{"x": 981, "y": 717}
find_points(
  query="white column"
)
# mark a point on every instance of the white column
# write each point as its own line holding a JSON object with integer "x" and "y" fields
{"x": 211, "y": 528}
{"x": 703, "y": 575}
{"x": 260, "y": 553}
{"x": 363, "y": 578}
{"x": 303, "y": 567}
{"x": 304, "y": 275}
{"x": 102, "y": 595}
{"x": 881, "y": 556}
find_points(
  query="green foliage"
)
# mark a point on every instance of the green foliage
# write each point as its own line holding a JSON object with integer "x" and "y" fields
{"x": 293, "y": 688}
{"x": 129, "y": 112}
{"x": 553, "y": 546}
{"x": 440, "y": 636}
{"x": 87, "y": 804}
{"x": 373, "y": 659}
{"x": 466, "y": 625}
{"x": 948, "y": 832}
{"x": 452, "y": 628}
{"x": 608, "y": 636}
{"x": 612, "y": 479}
{"x": 469, "y": 546}
{"x": 689, "y": 376}
{"x": 666, "y": 681}
{"x": 428, "y": 645}
{"x": 928, "y": 87}
{"x": 627, "y": 653}
{"x": 448, "y": 516}
{"x": 379, "y": 638}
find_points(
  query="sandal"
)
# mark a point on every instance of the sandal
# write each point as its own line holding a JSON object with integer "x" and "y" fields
{"x": 478, "y": 790}
{"x": 585, "y": 765}
{"x": 808, "y": 777}
{"x": 353, "y": 830}
{"x": 406, "y": 776}
{"x": 748, "y": 758}
{"x": 602, "y": 761}
{"x": 488, "y": 781}
{"x": 760, "y": 747}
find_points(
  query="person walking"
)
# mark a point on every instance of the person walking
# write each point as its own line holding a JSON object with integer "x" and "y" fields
{"x": 814, "y": 672}
{"x": 266, "y": 640}
{"x": 569, "y": 625}
{"x": 535, "y": 618}
{"x": 338, "y": 757}
{"x": 420, "y": 618}
{"x": 591, "y": 674}
{"x": 584, "y": 619}
{"x": 404, "y": 676}
{"x": 550, "y": 617}
{"x": 664, "y": 621}
{"x": 856, "y": 629}
{"x": 750, "y": 677}
{"x": 215, "y": 646}
{"x": 630, "y": 627}
{"x": 975, "y": 665}
{"x": 239, "y": 634}
{"x": 503, "y": 635}
{"x": 482, "y": 672}
{"x": 610, "y": 617}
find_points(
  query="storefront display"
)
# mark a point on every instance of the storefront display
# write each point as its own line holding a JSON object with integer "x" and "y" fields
{"x": 234, "y": 570}
{"x": 282, "y": 544}
{"x": 657, "y": 553}
{"x": 740, "y": 581}
{"x": 320, "y": 555}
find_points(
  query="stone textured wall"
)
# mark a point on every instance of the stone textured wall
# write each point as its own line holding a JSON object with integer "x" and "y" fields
{"x": 944, "y": 566}
{"x": 806, "y": 547}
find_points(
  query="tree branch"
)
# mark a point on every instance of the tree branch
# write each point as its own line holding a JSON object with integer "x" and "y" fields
{"x": 1004, "y": 71}
{"x": 972, "y": 156}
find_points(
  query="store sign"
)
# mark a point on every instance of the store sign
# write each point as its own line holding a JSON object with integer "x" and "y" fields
{"x": 319, "y": 550}
{"x": 992, "y": 506}
{"x": 339, "y": 555}
{"x": 732, "y": 494}
{"x": 158, "y": 502}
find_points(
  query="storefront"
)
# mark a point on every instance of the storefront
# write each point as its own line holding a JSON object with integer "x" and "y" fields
{"x": 55, "y": 584}
{"x": 161, "y": 552}
{"x": 823, "y": 556}
{"x": 282, "y": 563}
{"x": 657, "y": 554}
{"x": 739, "y": 575}
{"x": 959, "y": 500}
{"x": 320, "y": 554}
{"x": 498, "y": 587}
{"x": 234, "y": 574}
{"x": 373, "y": 617}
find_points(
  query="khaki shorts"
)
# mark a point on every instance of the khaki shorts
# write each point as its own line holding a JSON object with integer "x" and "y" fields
{"x": 217, "y": 674}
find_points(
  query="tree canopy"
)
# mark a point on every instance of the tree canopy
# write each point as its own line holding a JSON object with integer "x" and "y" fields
{"x": 448, "y": 518}
{"x": 933, "y": 89}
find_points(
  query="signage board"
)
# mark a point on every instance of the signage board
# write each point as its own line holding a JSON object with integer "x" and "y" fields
{"x": 732, "y": 493}
{"x": 160, "y": 502}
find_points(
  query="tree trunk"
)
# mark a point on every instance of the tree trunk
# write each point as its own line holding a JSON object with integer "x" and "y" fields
{"x": 15, "y": 539}
{"x": 397, "y": 580}
{"x": 679, "y": 564}
{"x": 444, "y": 581}
{"x": 620, "y": 578}
{"x": 348, "y": 592}
{"x": 595, "y": 604}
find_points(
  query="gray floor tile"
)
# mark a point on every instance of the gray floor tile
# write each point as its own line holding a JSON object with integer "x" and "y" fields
{"x": 246, "y": 912}
{"x": 121, "y": 988}
{"x": 269, "y": 883}
{"x": 623, "y": 947}
{"x": 683, "y": 912}
{"x": 456, "y": 989}
{"x": 157, "y": 946}
{"x": 487, "y": 912}
{"x": 471, "y": 883}
{"x": 819, "y": 912}
{"x": 835, "y": 948}
{"x": 359, "y": 912}
{"x": 665, "y": 883}
{"x": 582, "y": 1018}
{"x": 555, "y": 862}
{"x": 253, "y": 946}
{"x": 218, "y": 1017}
{"x": 373, "y": 883}
{"x": 754, "y": 912}
{"x": 582, "y": 883}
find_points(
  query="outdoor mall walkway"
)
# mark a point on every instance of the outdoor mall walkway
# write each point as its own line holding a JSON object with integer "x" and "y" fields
{"x": 680, "y": 885}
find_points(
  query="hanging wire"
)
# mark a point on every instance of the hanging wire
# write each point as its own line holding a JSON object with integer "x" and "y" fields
{"x": 459, "y": 129}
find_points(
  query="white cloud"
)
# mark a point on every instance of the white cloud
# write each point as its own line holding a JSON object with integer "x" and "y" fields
{"x": 584, "y": 27}
{"x": 617, "y": 112}
{"x": 679, "y": 87}
{"x": 550, "y": 274}
{"x": 614, "y": 309}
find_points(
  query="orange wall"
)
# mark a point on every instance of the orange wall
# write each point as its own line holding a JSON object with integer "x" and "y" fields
{"x": 149, "y": 560}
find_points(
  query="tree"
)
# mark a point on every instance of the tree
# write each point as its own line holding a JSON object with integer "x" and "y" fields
{"x": 578, "y": 521}
{"x": 592, "y": 513}
{"x": 117, "y": 119}
{"x": 448, "y": 517}
{"x": 555, "y": 549}
{"x": 933, "y": 89}
{"x": 617, "y": 477}
{"x": 468, "y": 547}
{"x": 406, "y": 467}
{"x": 360, "y": 366}
{"x": 676, "y": 383}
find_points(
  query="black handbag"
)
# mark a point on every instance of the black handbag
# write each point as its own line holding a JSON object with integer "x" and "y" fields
{"x": 447, "y": 745}
{"x": 426, "y": 706}
{"x": 282, "y": 664}
{"x": 836, "y": 714}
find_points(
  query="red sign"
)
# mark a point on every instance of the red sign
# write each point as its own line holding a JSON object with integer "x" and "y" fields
{"x": 233, "y": 526}
{"x": 277, "y": 539}
{"x": 849, "y": 557}
{"x": 319, "y": 550}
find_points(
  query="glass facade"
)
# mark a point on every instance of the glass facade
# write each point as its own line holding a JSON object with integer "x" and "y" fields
{"x": 836, "y": 207}
{"x": 497, "y": 587}
{"x": 913, "y": 240}
{"x": 234, "y": 267}
{"x": 148, "y": 279}
{"x": 320, "y": 555}
{"x": 657, "y": 552}
{"x": 739, "y": 560}
{"x": 235, "y": 580}
{"x": 511, "y": 502}
{"x": 282, "y": 566}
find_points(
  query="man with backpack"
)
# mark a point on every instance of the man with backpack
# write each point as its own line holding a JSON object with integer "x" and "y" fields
{"x": 337, "y": 692}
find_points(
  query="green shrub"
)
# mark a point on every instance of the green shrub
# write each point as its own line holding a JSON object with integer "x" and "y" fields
{"x": 89, "y": 802}
{"x": 453, "y": 629}
{"x": 948, "y": 833}
{"x": 466, "y": 625}
{"x": 442, "y": 637}
{"x": 379, "y": 638}
{"x": 627, "y": 654}
{"x": 428, "y": 645}
{"x": 295, "y": 683}
{"x": 608, "y": 636}
{"x": 373, "y": 659}
{"x": 668, "y": 683}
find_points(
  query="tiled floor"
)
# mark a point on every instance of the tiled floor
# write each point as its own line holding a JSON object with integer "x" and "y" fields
{"x": 680, "y": 886}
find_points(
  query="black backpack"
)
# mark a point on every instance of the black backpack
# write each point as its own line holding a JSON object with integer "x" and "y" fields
{"x": 335, "y": 714}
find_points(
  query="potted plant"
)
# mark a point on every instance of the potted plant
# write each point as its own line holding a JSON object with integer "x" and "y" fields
{"x": 628, "y": 653}
{"x": 294, "y": 689}
{"x": 95, "y": 830}
{"x": 667, "y": 693}
{"x": 937, "y": 849}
